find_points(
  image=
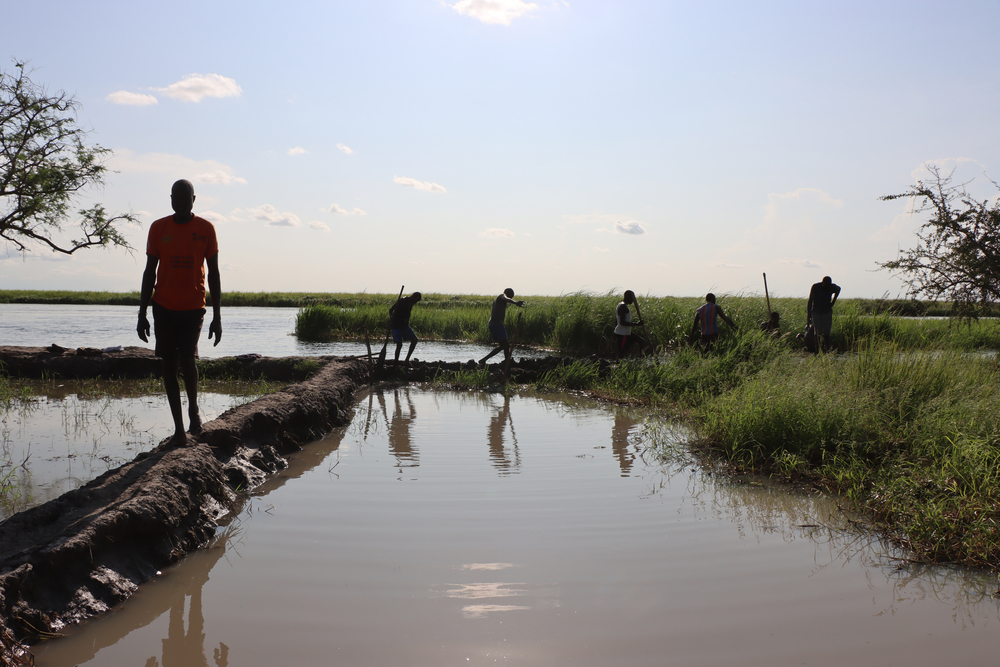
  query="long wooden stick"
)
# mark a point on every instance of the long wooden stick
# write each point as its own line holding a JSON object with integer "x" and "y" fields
{"x": 766, "y": 296}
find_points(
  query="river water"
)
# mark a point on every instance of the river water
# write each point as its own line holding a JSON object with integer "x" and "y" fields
{"x": 266, "y": 331}
{"x": 474, "y": 528}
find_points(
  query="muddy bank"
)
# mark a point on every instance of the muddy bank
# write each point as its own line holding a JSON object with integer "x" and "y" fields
{"x": 80, "y": 554}
{"x": 133, "y": 363}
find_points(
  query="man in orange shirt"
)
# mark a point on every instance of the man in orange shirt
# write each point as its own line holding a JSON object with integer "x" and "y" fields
{"x": 177, "y": 250}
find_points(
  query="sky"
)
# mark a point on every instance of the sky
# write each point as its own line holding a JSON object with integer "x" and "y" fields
{"x": 466, "y": 146}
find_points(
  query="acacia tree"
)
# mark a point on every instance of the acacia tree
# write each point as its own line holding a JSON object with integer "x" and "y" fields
{"x": 44, "y": 167}
{"x": 957, "y": 257}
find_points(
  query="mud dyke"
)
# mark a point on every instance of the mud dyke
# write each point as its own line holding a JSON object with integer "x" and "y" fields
{"x": 78, "y": 555}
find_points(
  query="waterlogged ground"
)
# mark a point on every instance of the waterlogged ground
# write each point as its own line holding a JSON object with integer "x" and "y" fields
{"x": 70, "y": 432}
{"x": 446, "y": 528}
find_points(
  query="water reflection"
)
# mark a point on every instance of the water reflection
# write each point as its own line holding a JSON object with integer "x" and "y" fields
{"x": 577, "y": 558}
{"x": 400, "y": 443}
{"x": 505, "y": 463}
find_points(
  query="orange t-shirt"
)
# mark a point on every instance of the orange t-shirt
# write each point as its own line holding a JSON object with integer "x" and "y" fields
{"x": 182, "y": 251}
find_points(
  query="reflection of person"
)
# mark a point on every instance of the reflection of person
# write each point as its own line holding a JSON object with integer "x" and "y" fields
{"x": 706, "y": 322}
{"x": 819, "y": 309}
{"x": 496, "y": 324}
{"x": 619, "y": 441}
{"x": 498, "y": 424}
{"x": 177, "y": 249}
{"x": 399, "y": 322}
{"x": 400, "y": 443}
{"x": 623, "y": 326}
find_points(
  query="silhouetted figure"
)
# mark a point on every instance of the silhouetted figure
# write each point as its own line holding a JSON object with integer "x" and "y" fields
{"x": 399, "y": 322}
{"x": 624, "y": 338}
{"x": 706, "y": 323}
{"x": 819, "y": 309}
{"x": 496, "y": 324}
{"x": 177, "y": 249}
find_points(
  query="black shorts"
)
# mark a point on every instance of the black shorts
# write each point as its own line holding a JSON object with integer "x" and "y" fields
{"x": 177, "y": 331}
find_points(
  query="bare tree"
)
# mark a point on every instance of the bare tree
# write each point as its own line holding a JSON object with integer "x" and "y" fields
{"x": 957, "y": 257}
{"x": 44, "y": 166}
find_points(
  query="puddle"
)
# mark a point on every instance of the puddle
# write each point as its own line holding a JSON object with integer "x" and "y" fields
{"x": 469, "y": 528}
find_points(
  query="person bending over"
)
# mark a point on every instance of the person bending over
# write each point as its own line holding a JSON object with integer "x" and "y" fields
{"x": 496, "y": 324}
{"x": 399, "y": 322}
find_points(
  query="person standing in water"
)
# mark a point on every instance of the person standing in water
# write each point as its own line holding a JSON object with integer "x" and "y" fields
{"x": 706, "y": 322}
{"x": 819, "y": 309}
{"x": 623, "y": 326}
{"x": 496, "y": 324}
{"x": 177, "y": 249}
{"x": 399, "y": 323}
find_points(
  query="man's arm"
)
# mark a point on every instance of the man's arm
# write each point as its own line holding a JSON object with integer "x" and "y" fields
{"x": 725, "y": 318}
{"x": 836, "y": 294}
{"x": 145, "y": 296}
{"x": 215, "y": 287}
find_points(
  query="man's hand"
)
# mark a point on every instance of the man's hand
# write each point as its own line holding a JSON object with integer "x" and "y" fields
{"x": 215, "y": 329}
{"x": 143, "y": 328}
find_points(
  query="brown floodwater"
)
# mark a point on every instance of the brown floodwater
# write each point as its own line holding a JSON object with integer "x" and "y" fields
{"x": 448, "y": 528}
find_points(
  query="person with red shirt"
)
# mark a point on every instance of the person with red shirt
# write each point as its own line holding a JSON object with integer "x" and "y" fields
{"x": 177, "y": 250}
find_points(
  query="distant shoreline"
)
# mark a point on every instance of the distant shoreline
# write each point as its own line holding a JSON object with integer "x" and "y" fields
{"x": 899, "y": 307}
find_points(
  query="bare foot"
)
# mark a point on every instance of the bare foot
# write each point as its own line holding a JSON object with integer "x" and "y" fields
{"x": 179, "y": 438}
{"x": 195, "y": 422}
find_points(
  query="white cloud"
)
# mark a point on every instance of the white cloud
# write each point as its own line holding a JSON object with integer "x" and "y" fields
{"x": 495, "y": 233}
{"x": 322, "y": 226}
{"x": 213, "y": 217}
{"x": 132, "y": 99}
{"x": 205, "y": 171}
{"x": 269, "y": 215}
{"x": 596, "y": 249}
{"x": 500, "y": 12}
{"x": 38, "y": 254}
{"x": 195, "y": 87}
{"x": 346, "y": 149}
{"x": 418, "y": 185}
{"x": 629, "y": 227}
{"x": 298, "y": 150}
{"x": 335, "y": 208}
{"x": 218, "y": 177}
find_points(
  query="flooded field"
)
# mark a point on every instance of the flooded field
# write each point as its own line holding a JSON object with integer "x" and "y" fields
{"x": 470, "y": 528}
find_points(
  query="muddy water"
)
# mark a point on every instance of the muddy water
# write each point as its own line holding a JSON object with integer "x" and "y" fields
{"x": 446, "y": 528}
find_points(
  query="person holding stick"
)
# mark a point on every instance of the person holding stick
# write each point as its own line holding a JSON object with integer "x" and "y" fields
{"x": 496, "y": 324}
{"x": 399, "y": 323}
{"x": 624, "y": 323}
{"x": 707, "y": 324}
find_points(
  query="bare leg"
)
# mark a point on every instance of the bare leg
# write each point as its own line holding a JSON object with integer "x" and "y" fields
{"x": 190, "y": 369}
{"x": 399, "y": 347}
{"x": 413, "y": 344}
{"x": 491, "y": 354}
{"x": 172, "y": 386}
